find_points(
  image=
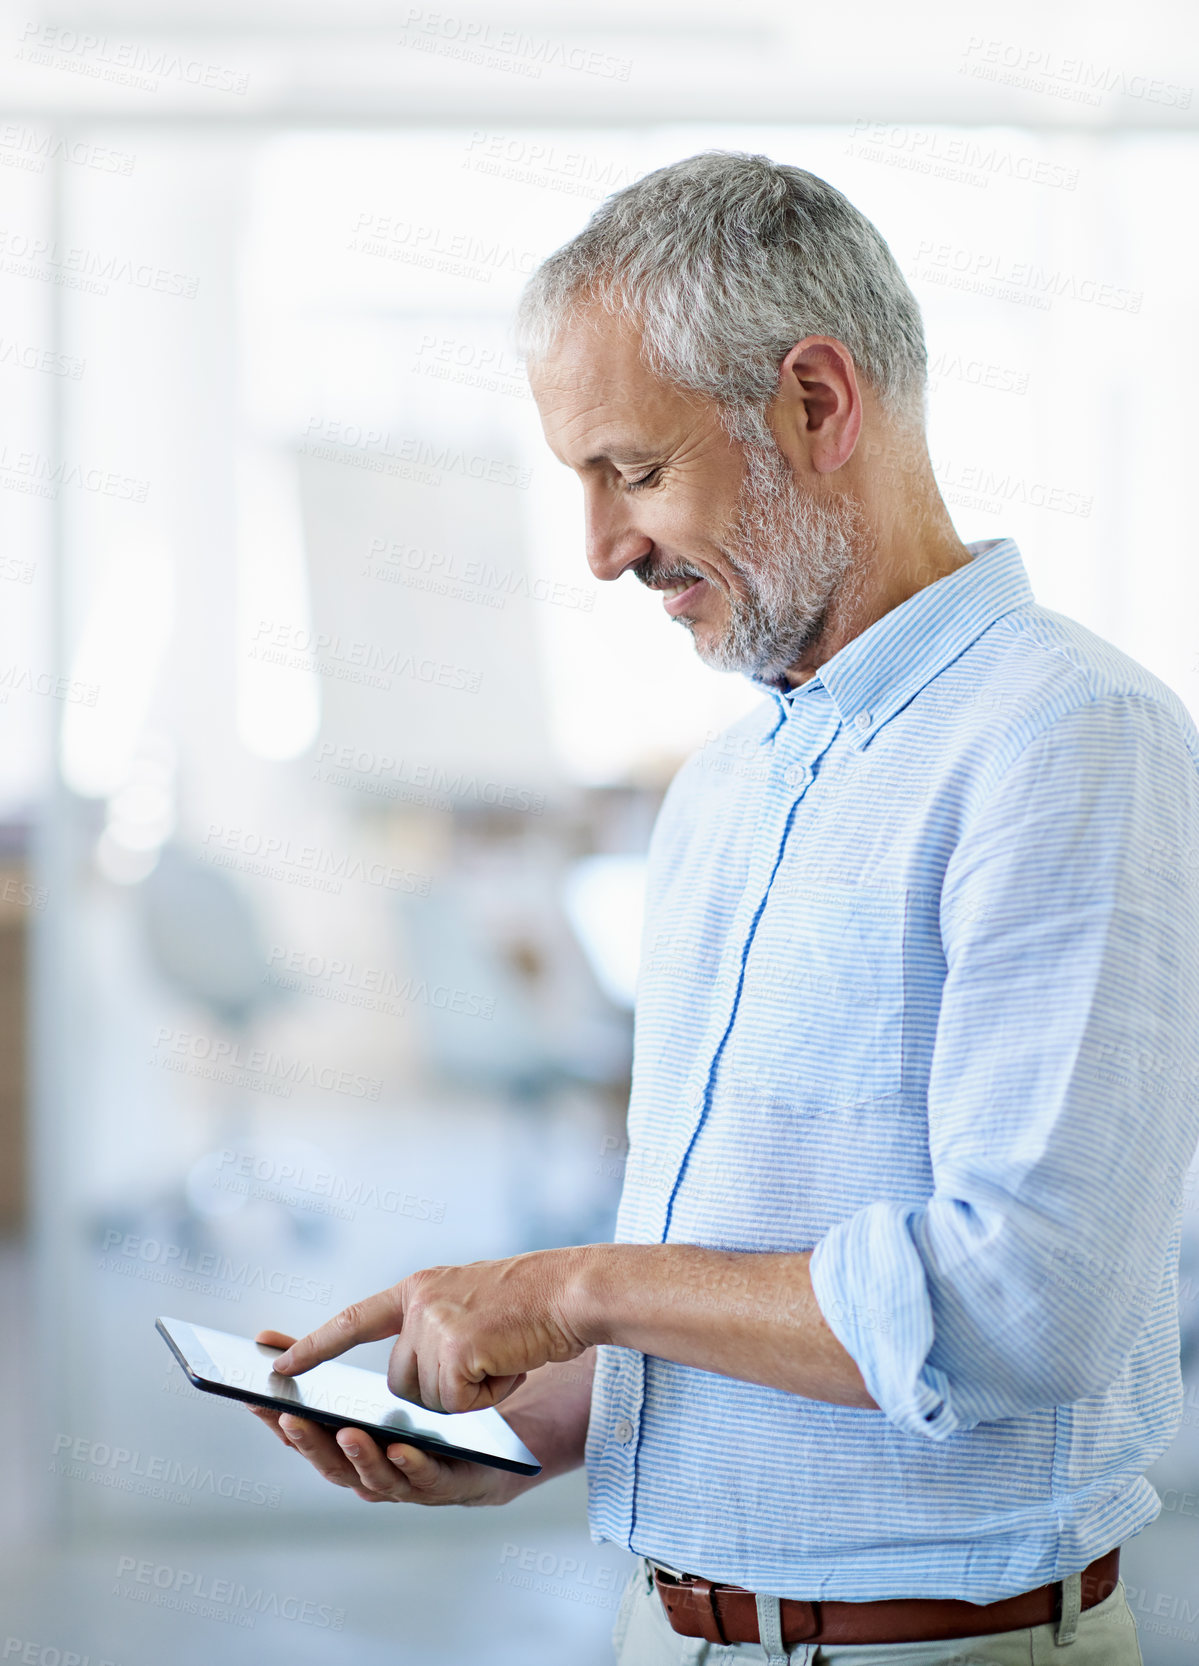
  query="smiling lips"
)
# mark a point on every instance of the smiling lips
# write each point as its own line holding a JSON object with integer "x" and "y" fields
{"x": 678, "y": 593}
{"x": 676, "y": 598}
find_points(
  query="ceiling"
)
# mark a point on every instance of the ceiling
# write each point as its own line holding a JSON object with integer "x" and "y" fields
{"x": 626, "y": 63}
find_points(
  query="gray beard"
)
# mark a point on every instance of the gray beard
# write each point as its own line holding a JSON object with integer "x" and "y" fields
{"x": 790, "y": 551}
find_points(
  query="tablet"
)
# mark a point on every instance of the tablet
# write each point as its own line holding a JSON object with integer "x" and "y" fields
{"x": 341, "y": 1396}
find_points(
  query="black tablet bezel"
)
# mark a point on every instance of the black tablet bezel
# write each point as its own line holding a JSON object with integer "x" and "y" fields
{"x": 383, "y": 1437}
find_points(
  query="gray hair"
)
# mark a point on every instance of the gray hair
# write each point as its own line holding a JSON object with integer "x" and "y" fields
{"x": 726, "y": 260}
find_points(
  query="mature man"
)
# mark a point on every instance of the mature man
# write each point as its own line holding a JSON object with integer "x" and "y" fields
{"x": 888, "y": 1336}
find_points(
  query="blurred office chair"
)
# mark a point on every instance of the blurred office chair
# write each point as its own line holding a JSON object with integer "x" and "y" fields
{"x": 519, "y": 1054}
{"x": 204, "y": 941}
{"x": 202, "y": 938}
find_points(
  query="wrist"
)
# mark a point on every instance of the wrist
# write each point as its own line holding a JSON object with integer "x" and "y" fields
{"x": 504, "y": 1484}
{"x": 587, "y": 1295}
{"x": 550, "y": 1412}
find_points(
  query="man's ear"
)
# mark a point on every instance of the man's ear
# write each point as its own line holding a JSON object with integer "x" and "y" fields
{"x": 816, "y": 414}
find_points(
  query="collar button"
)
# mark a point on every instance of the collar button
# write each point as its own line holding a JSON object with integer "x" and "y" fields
{"x": 863, "y": 720}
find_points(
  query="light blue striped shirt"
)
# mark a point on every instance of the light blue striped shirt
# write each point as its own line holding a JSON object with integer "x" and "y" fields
{"x": 919, "y": 991}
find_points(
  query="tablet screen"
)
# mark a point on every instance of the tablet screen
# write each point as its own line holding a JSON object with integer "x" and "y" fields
{"x": 347, "y": 1392}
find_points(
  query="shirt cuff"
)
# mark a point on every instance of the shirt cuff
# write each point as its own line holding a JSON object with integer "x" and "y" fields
{"x": 869, "y": 1282}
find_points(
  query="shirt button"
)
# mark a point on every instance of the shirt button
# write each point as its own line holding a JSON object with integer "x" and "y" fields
{"x": 623, "y": 1431}
{"x": 863, "y": 720}
{"x": 797, "y": 776}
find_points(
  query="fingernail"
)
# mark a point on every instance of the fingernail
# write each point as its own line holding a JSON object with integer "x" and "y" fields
{"x": 350, "y": 1447}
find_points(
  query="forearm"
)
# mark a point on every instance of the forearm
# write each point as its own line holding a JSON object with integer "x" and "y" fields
{"x": 745, "y": 1315}
{"x": 550, "y": 1412}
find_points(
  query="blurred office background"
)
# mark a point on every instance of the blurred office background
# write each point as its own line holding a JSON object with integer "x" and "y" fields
{"x": 326, "y": 768}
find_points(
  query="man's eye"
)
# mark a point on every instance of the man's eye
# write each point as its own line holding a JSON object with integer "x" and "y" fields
{"x": 643, "y": 480}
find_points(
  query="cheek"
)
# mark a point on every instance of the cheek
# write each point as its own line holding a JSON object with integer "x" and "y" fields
{"x": 693, "y": 530}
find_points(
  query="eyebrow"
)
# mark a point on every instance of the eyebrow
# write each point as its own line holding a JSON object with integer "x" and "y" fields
{"x": 633, "y": 454}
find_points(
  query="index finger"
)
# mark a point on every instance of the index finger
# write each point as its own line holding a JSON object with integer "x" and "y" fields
{"x": 274, "y": 1338}
{"x": 365, "y": 1321}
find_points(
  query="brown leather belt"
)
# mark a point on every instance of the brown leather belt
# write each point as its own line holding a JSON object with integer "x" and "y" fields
{"x": 728, "y": 1614}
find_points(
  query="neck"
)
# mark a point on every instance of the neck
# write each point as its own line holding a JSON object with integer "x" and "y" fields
{"x": 912, "y": 546}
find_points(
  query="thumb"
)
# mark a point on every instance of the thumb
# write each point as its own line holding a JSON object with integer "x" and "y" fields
{"x": 476, "y": 1395}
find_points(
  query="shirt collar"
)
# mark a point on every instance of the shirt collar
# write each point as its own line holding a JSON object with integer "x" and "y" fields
{"x": 879, "y": 671}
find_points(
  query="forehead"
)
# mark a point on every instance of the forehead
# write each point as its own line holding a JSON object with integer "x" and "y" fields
{"x": 598, "y": 399}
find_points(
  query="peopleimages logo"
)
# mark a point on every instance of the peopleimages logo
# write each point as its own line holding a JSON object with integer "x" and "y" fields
{"x": 977, "y": 373}
{"x": 468, "y": 579}
{"x": 462, "y": 254}
{"x": 186, "y": 1591}
{"x": 321, "y": 1190}
{"x": 389, "y": 776}
{"x": 352, "y": 659}
{"x": 260, "y": 1067}
{"x": 957, "y": 157}
{"x": 22, "y": 893}
{"x": 30, "y": 471}
{"x": 276, "y": 856}
{"x": 30, "y": 148}
{"x": 334, "y": 441}
{"x": 27, "y": 255}
{"x": 1078, "y": 80}
{"x": 377, "y": 988}
{"x": 492, "y": 44}
{"x": 591, "y": 1584}
{"x": 1025, "y": 282}
{"x": 548, "y": 167}
{"x": 24, "y": 1652}
{"x": 26, "y": 355}
{"x": 158, "y": 1261}
{"x": 126, "y": 1469}
{"x": 128, "y": 63}
{"x": 24, "y": 679}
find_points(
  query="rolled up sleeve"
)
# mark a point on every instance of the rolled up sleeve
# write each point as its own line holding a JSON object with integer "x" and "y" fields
{"x": 1063, "y": 1095}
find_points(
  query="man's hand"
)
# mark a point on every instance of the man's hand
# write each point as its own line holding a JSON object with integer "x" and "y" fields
{"x": 469, "y": 1337}
{"x": 401, "y": 1475}
{"x": 466, "y": 1336}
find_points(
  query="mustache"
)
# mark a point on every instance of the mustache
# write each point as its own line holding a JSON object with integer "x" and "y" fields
{"x": 657, "y": 577}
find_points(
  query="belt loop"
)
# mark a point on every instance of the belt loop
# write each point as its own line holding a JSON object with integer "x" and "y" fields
{"x": 1067, "y": 1625}
{"x": 770, "y": 1629}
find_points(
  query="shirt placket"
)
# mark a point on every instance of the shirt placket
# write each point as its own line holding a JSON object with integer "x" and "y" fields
{"x": 793, "y": 761}
{"x": 793, "y": 755}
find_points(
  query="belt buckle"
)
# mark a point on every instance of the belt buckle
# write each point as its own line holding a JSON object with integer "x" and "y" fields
{"x": 709, "y": 1618}
{"x": 705, "y": 1614}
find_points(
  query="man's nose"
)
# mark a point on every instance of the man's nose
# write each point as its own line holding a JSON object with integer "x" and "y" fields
{"x": 613, "y": 540}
